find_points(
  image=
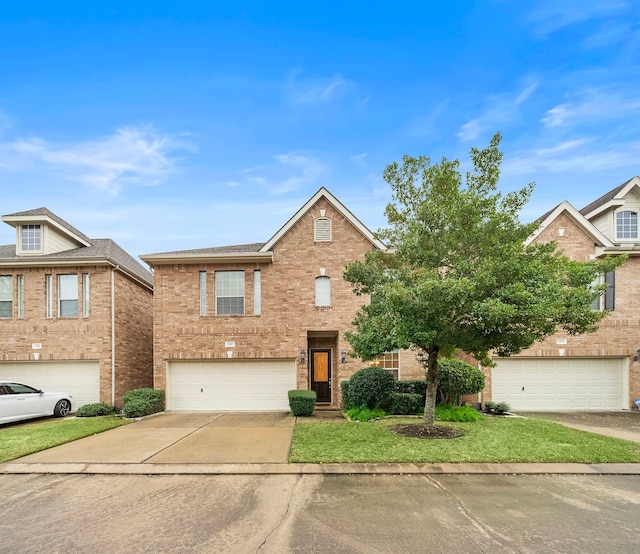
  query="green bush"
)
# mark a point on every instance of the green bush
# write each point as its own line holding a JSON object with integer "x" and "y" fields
{"x": 370, "y": 387}
{"x": 447, "y": 412}
{"x": 501, "y": 407}
{"x": 94, "y": 410}
{"x": 406, "y": 403}
{"x": 142, "y": 402}
{"x": 346, "y": 397}
{"x": 365, "y": 414}
{"x": 302, "y": 402}
{"x": 411, "y": 387}
{"x": 489, "y": 405}
{"x": 456, "y": 378}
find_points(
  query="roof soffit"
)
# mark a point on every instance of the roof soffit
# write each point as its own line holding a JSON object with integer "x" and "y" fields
{"x": 632, "y": 186}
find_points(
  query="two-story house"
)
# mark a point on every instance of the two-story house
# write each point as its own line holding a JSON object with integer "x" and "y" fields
{"x": 237, "y": 327}
{"x": 598, "y": 371}
{"x": 75, "y": 313}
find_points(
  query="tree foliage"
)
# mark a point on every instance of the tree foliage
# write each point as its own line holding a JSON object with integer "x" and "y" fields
{"x": 459, "y": 272}
{"x": 457, "y": 378}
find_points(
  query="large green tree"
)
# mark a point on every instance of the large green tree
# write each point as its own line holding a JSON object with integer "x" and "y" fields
{"x": 459, "y": 275}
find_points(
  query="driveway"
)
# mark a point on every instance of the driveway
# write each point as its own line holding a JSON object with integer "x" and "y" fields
{"x": 183, "y": 438}
{"x": 621, "y": 425}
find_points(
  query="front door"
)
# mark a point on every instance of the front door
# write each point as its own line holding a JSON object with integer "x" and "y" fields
{"x": 321, "y": 374}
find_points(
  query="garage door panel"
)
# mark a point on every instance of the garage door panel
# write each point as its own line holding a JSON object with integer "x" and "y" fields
{"x": 559, "y": 384}
{"x": 230, "y": 385}
{"x": 80, "y": 379}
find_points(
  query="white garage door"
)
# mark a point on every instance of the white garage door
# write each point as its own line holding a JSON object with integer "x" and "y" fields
{"x": 560, "y": 384}
{"x": 80, "y": 379}
{"x": 230, "y": 385}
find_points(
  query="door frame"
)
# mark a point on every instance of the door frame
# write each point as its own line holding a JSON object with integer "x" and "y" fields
{"x": 312, "y": 351}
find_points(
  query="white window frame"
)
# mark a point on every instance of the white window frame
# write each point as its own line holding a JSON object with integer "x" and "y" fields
{"x": 626, "y": 228}
{"x": 390, "y": 361}
{"x": 20, "y": 286}
{"x": 257, "y": 292}
{"x": 323, "y": 291}
{"x": 48, "y": 301}
{"x": 68, "y": 293}
{"x": 86, "y": 293}
{"x": 322, "y": 231}
{"x": 30, "y": 241}
{"x": 203, "y": 292}
{"x": 230, "y": 285}
{"x": 7, "y": 299}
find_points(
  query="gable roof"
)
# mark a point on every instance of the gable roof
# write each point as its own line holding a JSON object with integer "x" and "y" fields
{"x": 613, "y": 198}
{"x": 44, "y": 215}
{"x": 341, "y": 208}
{"x": 565, "y": 207}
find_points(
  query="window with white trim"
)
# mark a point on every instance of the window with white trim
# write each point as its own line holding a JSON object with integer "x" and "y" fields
{"x": 203, "y": 293}
{"x": 608, "y": 300}
{"x": 257, "y": 292}
{"x": 322, "y": 229}
{"x": 68, "y": 295}
{"x": 48, "y": 295}
{"x": 229, "y": 292}
{"x": 31, "y": 238}
{"x": 323, "y": 291}
{"x": 85, "y": 294}
{"x": 6, "y": 296}
{"x": 627, "y": 225}
{"x": 389, "y": 361}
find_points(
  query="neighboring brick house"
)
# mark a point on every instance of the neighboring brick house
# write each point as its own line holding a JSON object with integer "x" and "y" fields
{"x": 75, "y": 313}
{"x": 236, "y": 327}
{"x": 595, "y": 371}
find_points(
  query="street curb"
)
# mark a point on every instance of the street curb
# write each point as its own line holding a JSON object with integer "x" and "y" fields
{"x": 9, "y": 468}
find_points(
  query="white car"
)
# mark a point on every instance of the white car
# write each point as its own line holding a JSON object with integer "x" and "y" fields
{"x": 18, "y": 402}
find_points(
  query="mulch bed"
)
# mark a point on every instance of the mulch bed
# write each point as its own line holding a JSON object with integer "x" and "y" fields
{"x": 421, "y": 431}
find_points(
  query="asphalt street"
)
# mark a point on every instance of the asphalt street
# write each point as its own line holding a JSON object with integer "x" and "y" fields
{"x": 316, "y": 513}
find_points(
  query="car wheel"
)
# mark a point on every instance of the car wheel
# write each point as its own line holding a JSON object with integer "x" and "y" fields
{"x": 63, "y": 407}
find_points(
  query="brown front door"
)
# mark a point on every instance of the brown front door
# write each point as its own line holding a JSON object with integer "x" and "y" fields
{"x": 321, "y": 374}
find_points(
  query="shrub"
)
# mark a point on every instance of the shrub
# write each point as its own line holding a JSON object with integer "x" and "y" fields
{"x": 411, "y": 387}
{"x": 406, "y": 403}
{"x": 94, "y": 410}
{"x": 142, "y": 402}
{"x": 346, "y": 396}
{"x": 456, "y": 378}
{"x": 302, "y": 402}
{"x": 365, "y": 414}
{"x": 370, "y": 387}
{"x": 501, "y": 407}
{"x": 489, "y": 405}
{"x": 447, "y": 412}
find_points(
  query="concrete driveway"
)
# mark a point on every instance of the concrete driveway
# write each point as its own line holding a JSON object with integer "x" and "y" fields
{"x": 183, "y": 438}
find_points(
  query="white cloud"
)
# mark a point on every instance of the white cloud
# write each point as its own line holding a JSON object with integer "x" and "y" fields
{"x": 130, "y": 156}
{"x": 592, "y": 105}
{"x": 316, "y": 91}
{"x": 501, "y": 109}
{"x": 291, "y": 172}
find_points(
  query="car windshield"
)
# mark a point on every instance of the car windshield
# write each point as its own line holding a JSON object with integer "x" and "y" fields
{"x": 18, "y": 388}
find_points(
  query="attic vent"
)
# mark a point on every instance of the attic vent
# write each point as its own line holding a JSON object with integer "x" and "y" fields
{"x": 322, "y": 229}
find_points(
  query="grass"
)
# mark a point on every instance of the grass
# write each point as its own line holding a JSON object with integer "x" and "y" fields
{"x": 491, "y": 439}
{"x": 20, "y": 440}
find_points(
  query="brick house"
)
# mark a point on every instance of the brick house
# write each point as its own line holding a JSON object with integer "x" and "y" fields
{"x": 598, "y": 371}
{"x": 75, "y": 313}
{"x": 236, "y": 327}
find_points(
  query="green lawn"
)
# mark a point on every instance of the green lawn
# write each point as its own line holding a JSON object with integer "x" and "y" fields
{"x": 20, "y": 440}
{"x": 492, "y": 439}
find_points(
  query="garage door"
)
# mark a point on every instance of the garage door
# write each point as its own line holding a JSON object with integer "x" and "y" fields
{"x": 230, "y": 385}
{"x": 80, "y": 379}
{"x": 560, "y": 384}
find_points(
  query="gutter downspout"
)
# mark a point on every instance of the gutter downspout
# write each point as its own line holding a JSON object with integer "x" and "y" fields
{"x": 113, "y": 336}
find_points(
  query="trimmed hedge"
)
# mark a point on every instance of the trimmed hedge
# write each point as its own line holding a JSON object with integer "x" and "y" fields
{"x": 406, "y": 403}
{"x": 302, "y": 402}
{"x": 411, "y": 387}
{"x": 142, "y": 402}
{"x": 94, "y": 410}
{"x": 346, "y": 396}
{"x": 370, "y": 387}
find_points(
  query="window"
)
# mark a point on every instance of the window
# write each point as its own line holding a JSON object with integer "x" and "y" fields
{"x": 627, "y": 225}
{"x": 323, "y": 291}
{"x": 230, "y": 292}
{"x": 85, "y": 295}
{"x": 203, "y": 293}
{"x": 68, "y": 295}
{"x": 31, "y": 238}
{"x": 48, "y": 302}
{"x": 257, "y": 292}
{"x": 390, "y": 361}
{"x": 322, "y": 229}
{"x": 6, "y": 296}
{"x": 20, "y": 283}
{"x": 607, "y": 300}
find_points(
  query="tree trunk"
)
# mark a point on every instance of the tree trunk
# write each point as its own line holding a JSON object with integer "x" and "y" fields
{"x": 432, "y": 387}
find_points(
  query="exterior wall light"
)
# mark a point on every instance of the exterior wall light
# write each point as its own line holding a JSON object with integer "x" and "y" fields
{"x": 343, "y": 356}
{"x": 303, "y": 356}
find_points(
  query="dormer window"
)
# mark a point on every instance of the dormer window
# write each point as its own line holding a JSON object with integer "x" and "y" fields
{"x": 31, "y": 238}
{"x": 322, "y": 229}
{"x": 627, "y": 225}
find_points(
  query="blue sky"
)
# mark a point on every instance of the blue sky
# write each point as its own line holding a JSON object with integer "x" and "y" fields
{"x": 168, "y": 125}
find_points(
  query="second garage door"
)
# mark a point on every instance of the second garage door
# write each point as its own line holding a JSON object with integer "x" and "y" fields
{"x": 560, "y": 384}
{"x": 230, "y": 385}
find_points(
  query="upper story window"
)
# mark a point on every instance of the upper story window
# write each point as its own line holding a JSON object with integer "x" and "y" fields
{"x": 203, "y": 292}
{"x": 68, "y": 295}
{"x": 6, "y": 296}
{"x": 389, "y": 361}
{"x": 627, "y": 225}
{"x": 322, "y": 229}
{"x": 608, "y": 300}
{"x": 31, "y": 238}
{"x": 229, "y": 292}
{"x": 323, "y": 291}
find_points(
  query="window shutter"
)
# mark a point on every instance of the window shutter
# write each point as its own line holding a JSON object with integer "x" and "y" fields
{"x": 610, "y": 293}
